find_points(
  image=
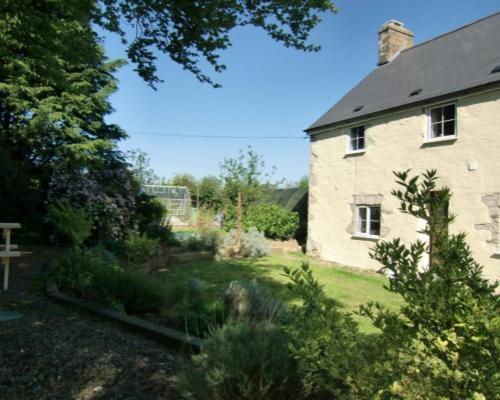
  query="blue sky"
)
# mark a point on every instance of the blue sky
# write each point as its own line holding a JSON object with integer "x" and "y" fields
{"x": 267, "y": 89}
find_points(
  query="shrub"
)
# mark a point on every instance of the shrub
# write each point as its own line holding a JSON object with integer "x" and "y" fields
{"x": 253, "y": 244}
{"x": 242, "y": 361}
{"x": 71, "y": 224}
{"x": 275, "y": 221}
{"x": 334, "y": 357}
{"x": 446, "y": 334}
{"x": 139, "y": 248}
{"x": 441, "y": 344}
{"x": 135, "y": 291}
{"x": 149, "y": 211}
{"x": 89, "y": 273}
{"x": 207, "y": 239}
{"x": 75, "y": 270}
{"x": 247, "y": 300}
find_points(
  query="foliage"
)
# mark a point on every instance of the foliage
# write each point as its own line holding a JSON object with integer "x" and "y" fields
{"x": 54, "y": 90}
{"x": 210, "y": 192}
{"x": 441, "y": 344}
{"x": 447, "y": 331}
{"x": 139, "y": 248}
{"x": 140, "y": 166}
{"x": 150, "y": 212}
{"x": 246, "y": 175}
{"x": 242, "y": 361}
{"x": 274, "y": 221}
{"x": 303, "y": 182}
{"x": 186, "y": 180}
{"x": 246, "y": 300}
{"x": 253, "y": 244}
{"x": 135, "y": 291}
{"x": 76, "y": 268}
{"x": 333, "y": 355}
{"x": 188, "y": 32}
{"x": 90, "y": 273}
{"x": 106, "y": 191}
{"x": 206, "y": 239}
{"x": 72, "y": 225}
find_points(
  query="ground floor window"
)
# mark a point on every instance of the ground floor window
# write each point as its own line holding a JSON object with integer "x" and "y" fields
{"x": 368, "y": 220}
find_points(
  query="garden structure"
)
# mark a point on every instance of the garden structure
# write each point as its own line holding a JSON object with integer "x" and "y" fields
{"x": 6, "y": 250}
{"x": 176, "y": 199}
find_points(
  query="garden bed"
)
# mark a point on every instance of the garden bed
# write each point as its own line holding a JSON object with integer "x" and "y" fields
{"x": 55, "y": 352}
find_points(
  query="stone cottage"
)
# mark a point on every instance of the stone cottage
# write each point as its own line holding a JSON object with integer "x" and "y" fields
{"x": 434, "y": 105}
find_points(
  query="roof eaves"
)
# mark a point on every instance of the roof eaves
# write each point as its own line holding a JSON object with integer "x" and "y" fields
{"x": 316, "y": 129}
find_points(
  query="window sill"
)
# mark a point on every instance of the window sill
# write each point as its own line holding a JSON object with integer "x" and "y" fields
{"x": 355, "y": 152}
{"x": 365, "y": 236}
{"x": 441, "y": 139}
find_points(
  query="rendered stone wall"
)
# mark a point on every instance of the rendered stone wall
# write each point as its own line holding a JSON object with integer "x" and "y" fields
{"x": 470, "y": 165}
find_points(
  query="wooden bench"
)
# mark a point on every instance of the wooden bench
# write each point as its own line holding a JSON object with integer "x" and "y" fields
{"x": 7, "y": 250}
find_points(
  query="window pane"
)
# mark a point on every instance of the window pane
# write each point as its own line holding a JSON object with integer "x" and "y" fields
{"x": 436, "y": 129}
{"x": 436, "y": 114}
{"x": 449, "y": 128}
{"x": 362, "y": 215}
{"x": 375, "y": 221}
{"x": 361, "y": 143}
{"x": 354, "y": 143}
{"x": 375, "y": 213}
{"x": 375, "y": 228}
{"x": 449, "y": 112}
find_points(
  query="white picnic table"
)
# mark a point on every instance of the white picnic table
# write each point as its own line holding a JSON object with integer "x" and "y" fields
{"x": 7, "y": 250}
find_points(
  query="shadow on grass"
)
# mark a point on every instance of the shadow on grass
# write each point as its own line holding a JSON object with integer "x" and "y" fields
{"x": 218, "y": 275}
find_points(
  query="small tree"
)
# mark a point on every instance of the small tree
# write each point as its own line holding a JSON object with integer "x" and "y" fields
{"x": 444, "y": 341}
{"x": 247, "y": 175}
{"x": 140, "y": 166}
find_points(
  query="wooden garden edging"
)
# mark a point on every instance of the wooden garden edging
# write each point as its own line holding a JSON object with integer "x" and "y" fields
{"x": 168, "y": 336}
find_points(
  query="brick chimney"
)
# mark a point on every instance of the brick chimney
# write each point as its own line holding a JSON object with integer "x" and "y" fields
{"x": 393, "y": 37}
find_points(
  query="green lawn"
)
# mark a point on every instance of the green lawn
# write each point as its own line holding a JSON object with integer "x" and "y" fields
{"x": 349, "y": 287}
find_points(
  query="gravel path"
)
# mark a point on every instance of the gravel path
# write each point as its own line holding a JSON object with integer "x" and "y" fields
{"x": 57, "y": 353}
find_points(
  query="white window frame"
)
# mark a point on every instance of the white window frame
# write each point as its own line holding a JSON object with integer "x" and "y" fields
{"x": 368, "y": 208}
{"x": 349, "y": 149}
{"x": 428, "y": 137}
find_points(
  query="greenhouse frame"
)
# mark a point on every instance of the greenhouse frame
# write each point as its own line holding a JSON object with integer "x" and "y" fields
{"x": 176, "y": 200}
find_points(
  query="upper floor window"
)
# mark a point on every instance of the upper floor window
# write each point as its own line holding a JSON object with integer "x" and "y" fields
{"x": 357, "y": 139}
{"x": 442, "y": 122}
{"x": 368, "y": 220}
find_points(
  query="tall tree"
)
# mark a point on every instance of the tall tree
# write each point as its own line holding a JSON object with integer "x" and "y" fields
{"x": 54, "y": 87}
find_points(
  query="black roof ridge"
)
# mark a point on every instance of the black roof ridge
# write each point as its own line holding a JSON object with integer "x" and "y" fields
{"x": 450, "y": 32}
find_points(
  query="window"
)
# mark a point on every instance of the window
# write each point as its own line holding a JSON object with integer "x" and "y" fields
{"x": 442, "y": 122}
{"x": 357, "y": 138}
{"x": 369, "y": 220}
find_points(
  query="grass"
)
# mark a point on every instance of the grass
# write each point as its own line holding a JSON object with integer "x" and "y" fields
{"x": 349, "y": 287}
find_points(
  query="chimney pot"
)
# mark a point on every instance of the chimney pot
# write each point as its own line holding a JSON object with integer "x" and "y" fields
{"x": 393, "y": 37}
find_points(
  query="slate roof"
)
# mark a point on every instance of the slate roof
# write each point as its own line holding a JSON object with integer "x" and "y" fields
{"x": 458, "y": 60}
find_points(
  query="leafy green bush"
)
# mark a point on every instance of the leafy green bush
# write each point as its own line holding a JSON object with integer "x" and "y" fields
{"x": 139, "y": 248}
{"x": 275, "y": 221}
{"x": 442, "y": 343}
{"x": 334, "y": 357}
{"x": 149, "y": 212}
{"x": 206, "y": 239}
{"x": 253, "y": 244}
{"x": 446, "y": 334}
{"x": 242, "y": 361}
{"x": 71, "y": 224}
{"x": 89, "y": 273}
{"x": 247, "y": 300}
{"x": 135, "y": 291}
{"x": 76, "y": 268}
